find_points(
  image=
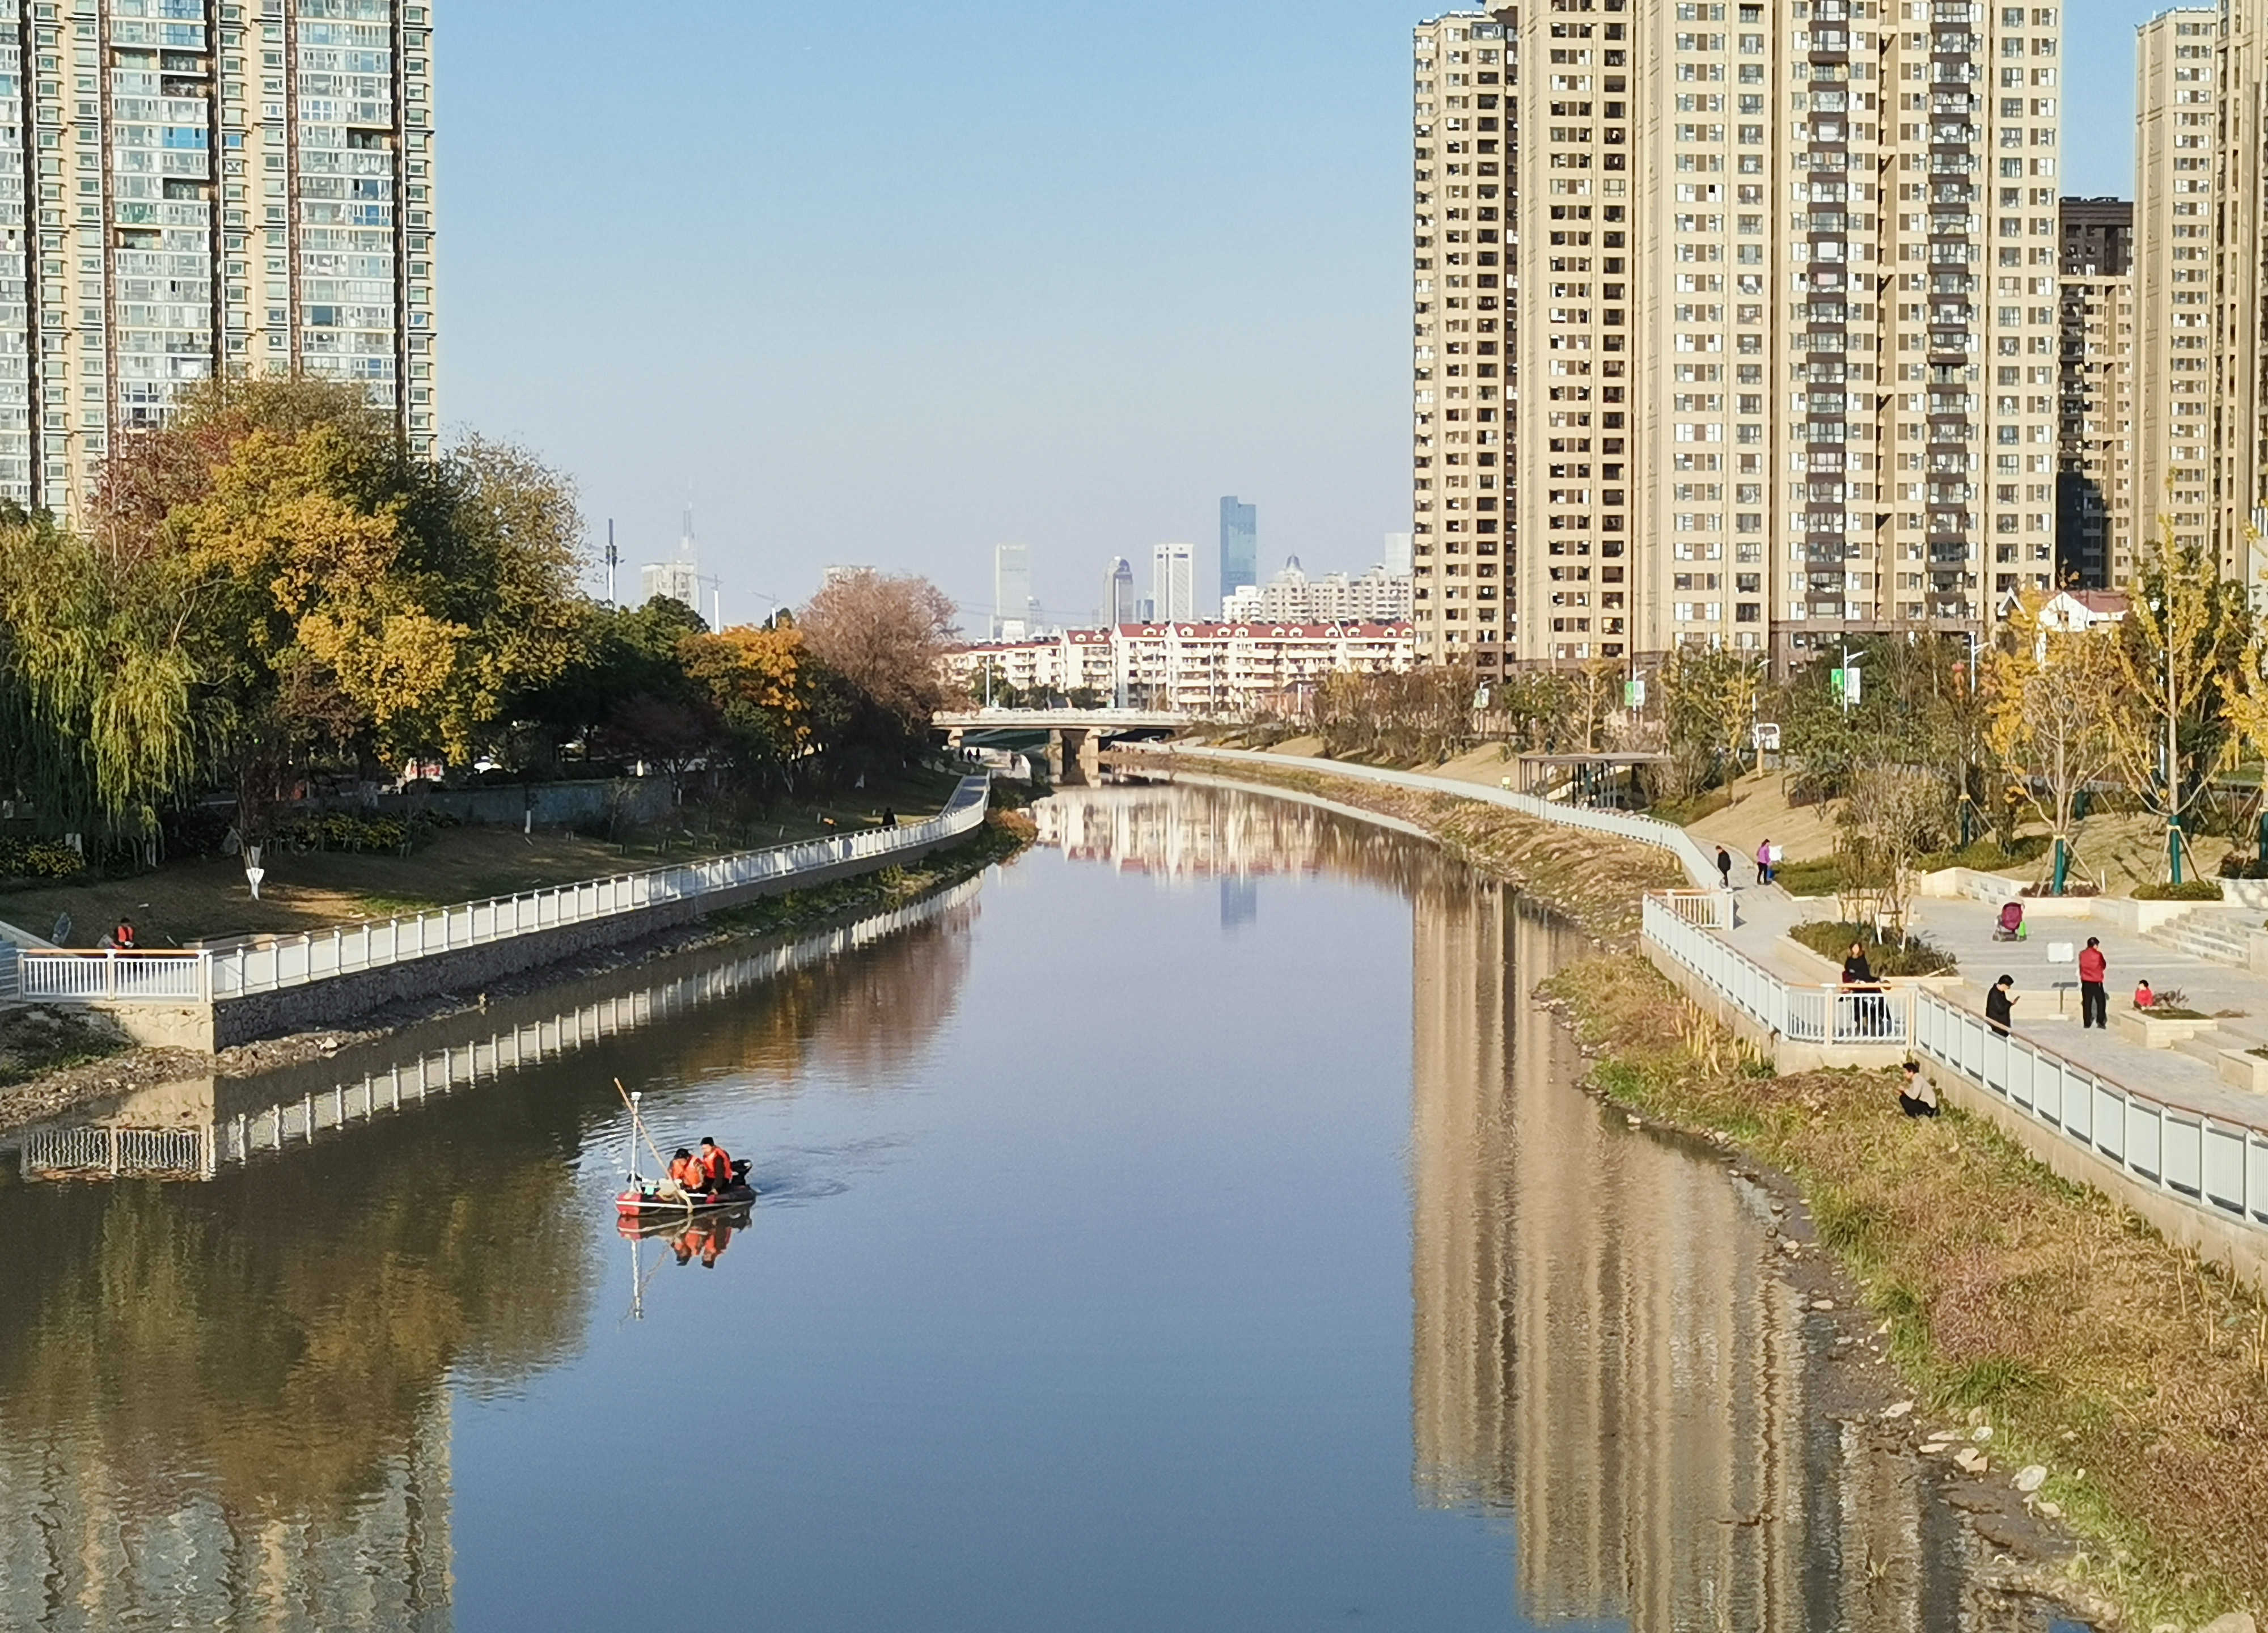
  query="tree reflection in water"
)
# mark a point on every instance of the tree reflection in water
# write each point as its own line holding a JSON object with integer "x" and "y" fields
{"x": 227, "y": 1404}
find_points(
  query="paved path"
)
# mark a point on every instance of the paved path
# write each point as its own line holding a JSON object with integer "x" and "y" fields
{"x": 2048, "y": 1012}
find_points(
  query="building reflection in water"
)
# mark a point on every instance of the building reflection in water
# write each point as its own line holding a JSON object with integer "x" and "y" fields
{"x": 226, "y": 1404}
{"x": 1603, "y": 1352}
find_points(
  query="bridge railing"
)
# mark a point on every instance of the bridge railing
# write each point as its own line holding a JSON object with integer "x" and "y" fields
{"x": 272, "y": 964}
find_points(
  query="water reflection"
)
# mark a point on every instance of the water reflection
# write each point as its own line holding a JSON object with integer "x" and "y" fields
{"x": 1602, "y": 1353}
{"x": 1115, "y": 1340}
{"x": 228, "y": 1404}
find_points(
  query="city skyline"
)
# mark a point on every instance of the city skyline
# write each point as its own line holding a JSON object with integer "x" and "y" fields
{"x": 1312, "y": 313}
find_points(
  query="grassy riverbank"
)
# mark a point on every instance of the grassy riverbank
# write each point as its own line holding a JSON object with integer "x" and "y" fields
{"x": 1594, "y": 879}
{"x": 1004, "y": 834}
{"x": 52, "y": 1060}
{"x": 2136, "y": 1376}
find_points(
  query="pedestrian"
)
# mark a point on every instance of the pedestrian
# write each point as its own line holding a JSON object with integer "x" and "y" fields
{"x": 1765, "y": 862}
{"x": 1999, "y": 1004}
{"x": 1910, "y": 1101}
{"x": 2094, "y": 998}
{"x": 1724, "y": 866}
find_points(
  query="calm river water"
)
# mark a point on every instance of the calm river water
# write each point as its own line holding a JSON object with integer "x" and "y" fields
{"x": 1194, "y": 1227}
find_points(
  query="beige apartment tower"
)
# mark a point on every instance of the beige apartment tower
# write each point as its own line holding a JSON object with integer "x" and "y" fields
{"x": 2094, "y": 476}
{"x": 2174, "y": 212}
{"x": 1778, "y": 321}
{"x": 207, "y": 186}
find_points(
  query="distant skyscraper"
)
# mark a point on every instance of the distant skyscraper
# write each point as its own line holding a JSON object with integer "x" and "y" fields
{"x": 1011, "y": 585}
{"x": 1119, "y": 604}
{"x": 1240, "y": 545}
{"x": 1397, "y": 559}
{"x": 1172, "y": 581}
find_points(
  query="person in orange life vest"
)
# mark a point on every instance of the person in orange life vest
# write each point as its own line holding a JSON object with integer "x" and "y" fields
{"x": 123, "y": 936}
{"x": 684, "y": 1171}
{"x": 716, "y": 1165}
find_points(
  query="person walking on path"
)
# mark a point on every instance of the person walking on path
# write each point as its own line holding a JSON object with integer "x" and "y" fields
{"x": 1764, "y": 861}
{"x": 1724, "y": 866}
{"x": 1999, "y": 1004}
{"x": 2094, "y": 998}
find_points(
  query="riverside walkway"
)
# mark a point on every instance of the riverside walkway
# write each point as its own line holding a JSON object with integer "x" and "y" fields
{"x": 2162, "y": 1130}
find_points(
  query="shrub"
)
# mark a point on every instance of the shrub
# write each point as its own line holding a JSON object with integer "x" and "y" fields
{"x": 39, "y": 858}
{"x": 1821, "y": 878}
{"x": 2188, "y": 890}
{"x": 1917, "y": 956}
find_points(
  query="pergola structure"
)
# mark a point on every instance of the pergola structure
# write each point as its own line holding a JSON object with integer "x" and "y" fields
{"x": 1608, "y": 780}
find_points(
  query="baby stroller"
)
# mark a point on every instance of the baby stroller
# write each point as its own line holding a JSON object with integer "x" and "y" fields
{"x": 2011, "y": 927}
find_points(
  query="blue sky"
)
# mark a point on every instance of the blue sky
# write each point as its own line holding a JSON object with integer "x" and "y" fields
{"x": 889, "y": 284}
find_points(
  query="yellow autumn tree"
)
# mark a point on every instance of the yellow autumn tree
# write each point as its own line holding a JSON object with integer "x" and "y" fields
{"x": 2051, "y": 720}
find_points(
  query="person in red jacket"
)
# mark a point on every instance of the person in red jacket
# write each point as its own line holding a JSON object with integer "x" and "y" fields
{"x": 2093, "y": 996}
{"x": 716, "y": 1165}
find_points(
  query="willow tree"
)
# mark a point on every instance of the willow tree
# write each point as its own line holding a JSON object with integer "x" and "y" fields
{"x": 100, "y": 698}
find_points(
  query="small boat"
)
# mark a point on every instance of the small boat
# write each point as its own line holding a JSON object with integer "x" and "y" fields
{"x": 642, "y": 1200}
{"x": 645, "y": 1199}
{"x": 674, "y": 1220}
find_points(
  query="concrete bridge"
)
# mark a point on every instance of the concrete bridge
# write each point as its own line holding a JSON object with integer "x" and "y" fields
{"x": 1075, "y": 736}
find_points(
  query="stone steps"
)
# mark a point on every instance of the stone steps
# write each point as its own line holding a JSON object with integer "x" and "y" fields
{"x": 2220, "y": 937}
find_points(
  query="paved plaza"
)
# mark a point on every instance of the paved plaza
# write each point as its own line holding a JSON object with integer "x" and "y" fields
{"x": 2047, "y": 1012}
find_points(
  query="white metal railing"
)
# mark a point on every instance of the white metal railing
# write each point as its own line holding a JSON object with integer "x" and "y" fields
{"x": 1801, "y": 1014}
{"x": 268, "y": 965}
{"x": 2219, "y": 1162}
{"x": 1625, "y": 824}
{"x": 65, "y": 978}
{"x": 1703, "y": 910}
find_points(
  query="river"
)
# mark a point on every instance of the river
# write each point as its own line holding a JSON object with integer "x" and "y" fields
{"x": 1194, "y": 1224}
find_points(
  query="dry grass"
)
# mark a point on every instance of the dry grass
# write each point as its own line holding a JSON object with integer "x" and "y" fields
{"x": 2138, "y": 1375}
{"x": 206, "y": 899}
{"x": 1593, "y": 878}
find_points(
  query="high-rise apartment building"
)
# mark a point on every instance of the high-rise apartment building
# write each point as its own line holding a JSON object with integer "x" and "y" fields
{"x": 208, "y": 187}
{"x": 2095, "y": 476}
{"x": 2233, "y": 128}
{"x": 2174, "y": 211}
{"x": 1011, "y": 591}
{"x": 1172, "y": 582}
{"x": 1240, "y": 545}
{"x": 1774, "y": 286}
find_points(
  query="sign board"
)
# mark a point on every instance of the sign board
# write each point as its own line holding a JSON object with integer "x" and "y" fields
{"x": 1765, "y": 735}
{"x": 1634, "y": 694}
{"x": 1847, "y": 684}
{"x": 2060, "y": 952}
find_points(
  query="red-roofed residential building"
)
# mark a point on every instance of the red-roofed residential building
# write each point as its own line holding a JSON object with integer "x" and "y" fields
{"x": 1194, "y": 668}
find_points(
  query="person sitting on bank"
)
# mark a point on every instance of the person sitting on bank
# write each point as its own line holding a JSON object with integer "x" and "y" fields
{"x": 1909, "y": 1099}
{"x": 2143, "y": 997}
{"x": 122, "y": 937}
{"x": 1999, "y": 1004}
{"x": 716, "y": 1165}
